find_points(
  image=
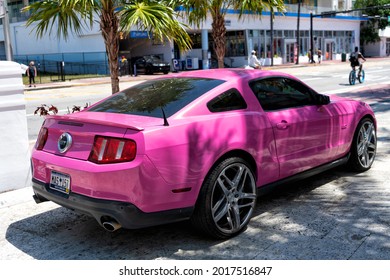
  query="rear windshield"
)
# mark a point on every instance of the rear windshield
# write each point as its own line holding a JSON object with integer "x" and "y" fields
{"x": 150, "y": 97}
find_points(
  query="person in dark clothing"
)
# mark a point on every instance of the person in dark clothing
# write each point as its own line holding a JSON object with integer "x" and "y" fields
{"x": 31, "y": 73}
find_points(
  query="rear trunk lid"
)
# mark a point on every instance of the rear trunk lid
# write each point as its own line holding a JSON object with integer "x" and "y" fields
{"x": 83, "y": 127}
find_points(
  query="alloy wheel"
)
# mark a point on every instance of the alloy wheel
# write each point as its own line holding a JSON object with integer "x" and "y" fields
{"x": 233, "y": 198}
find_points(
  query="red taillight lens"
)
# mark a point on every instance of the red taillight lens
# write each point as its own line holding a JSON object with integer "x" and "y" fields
{"x": 42, "y": 138}
{"x": 112, "y": 150}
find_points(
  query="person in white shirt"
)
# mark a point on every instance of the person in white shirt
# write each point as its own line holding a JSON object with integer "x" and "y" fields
{"x": 253, "y": 61}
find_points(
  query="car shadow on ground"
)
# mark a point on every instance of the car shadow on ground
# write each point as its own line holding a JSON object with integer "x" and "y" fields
{"x": 285, "y": 219}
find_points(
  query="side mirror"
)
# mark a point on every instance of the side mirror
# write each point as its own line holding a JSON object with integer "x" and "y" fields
{"x": 322, "y": 99}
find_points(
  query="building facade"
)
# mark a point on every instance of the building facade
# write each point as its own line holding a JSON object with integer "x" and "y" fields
{"x": 273, "y": 37}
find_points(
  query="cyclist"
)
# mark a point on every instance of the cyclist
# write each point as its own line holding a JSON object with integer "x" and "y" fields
{"x": 355, "y": 59}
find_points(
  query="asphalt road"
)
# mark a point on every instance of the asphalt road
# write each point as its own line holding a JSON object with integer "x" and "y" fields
{"x": 336, "y": 215}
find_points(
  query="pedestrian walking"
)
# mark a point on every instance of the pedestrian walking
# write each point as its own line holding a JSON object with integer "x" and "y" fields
{"x": 31, "y": 73}
{"x": 124, "y": 66}
{"x": 319, "y": 54}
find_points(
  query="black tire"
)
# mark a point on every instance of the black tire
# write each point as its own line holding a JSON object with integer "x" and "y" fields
{"x": 362, "y": 76}
{"x": 363, "y": 148}
{"x": 352, "y": 77}
{"x": 227, "y": 199}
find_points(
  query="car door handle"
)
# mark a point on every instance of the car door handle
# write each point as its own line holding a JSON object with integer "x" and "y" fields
{"x": 282, "y": 125}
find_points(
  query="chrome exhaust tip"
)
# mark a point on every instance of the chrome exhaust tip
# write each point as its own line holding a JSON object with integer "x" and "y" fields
{"x": 111, "y": 226}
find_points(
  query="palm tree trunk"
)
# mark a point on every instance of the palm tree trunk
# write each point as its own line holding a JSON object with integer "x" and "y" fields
{"x": 218, "y": 33}
{"x": 109, "y": 25}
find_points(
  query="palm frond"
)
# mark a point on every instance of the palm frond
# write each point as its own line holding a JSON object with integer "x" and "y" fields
{"x": 158, "y": 19}
{"x": 61, "y": 16}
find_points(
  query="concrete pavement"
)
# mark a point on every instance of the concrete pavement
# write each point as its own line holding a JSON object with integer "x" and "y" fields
{"x": 336, "y": 215}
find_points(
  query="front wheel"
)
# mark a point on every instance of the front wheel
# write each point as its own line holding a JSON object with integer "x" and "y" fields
{"x": 363, "y": 149}
{"x": 149, "y": 70}
{"x": 352, "y": 77}
{"x": 227, "y": 199}
{"x": 362, "y": 76}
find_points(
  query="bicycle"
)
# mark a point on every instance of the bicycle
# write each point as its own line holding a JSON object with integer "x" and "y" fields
{"x": 353, "y": 76}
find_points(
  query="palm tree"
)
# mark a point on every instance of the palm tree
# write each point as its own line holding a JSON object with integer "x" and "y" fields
{"x": 114, "y": 17}
{"x": 198, "y": 10}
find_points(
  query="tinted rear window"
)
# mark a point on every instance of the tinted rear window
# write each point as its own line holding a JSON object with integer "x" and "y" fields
{"x": 147, "y": 99}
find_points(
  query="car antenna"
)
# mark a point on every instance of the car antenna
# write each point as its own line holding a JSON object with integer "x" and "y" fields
{"x": 164, "y": 116}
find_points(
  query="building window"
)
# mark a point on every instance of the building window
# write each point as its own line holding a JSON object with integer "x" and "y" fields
{"x": 235, "y": 43}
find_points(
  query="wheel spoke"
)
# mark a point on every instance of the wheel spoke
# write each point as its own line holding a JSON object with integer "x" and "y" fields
{"x": 222, "y": 186}
{"x": 235, "y": 219}
{"x": 364, "y": 159}
{"x": 372, "y": 146}
{"x": 246, "y": 205}
{"x": 239, "y": 174}
{"x": 220, "y": 212}
{"x": 360, "y": 148}
{"x": 369, "y": 131}
{"x": 247, "y": 196}
{"x": 217, "y": 205}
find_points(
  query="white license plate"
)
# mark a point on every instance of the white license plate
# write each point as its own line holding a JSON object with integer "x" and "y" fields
{"x": 60, "y": 182}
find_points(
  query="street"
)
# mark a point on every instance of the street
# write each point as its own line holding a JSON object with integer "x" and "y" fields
{"x": 336, "y": 215}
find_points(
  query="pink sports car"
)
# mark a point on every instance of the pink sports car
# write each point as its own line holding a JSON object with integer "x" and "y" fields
{"x": 199, "y": 145}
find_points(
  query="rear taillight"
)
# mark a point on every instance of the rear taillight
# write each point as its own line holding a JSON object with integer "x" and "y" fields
{"x": 42, "y": 138}
{"x": 112, "y": 150}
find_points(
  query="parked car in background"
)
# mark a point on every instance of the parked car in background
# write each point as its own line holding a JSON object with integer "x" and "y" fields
{"x": 198, "y": 145}
{"x": 150, "y": 64}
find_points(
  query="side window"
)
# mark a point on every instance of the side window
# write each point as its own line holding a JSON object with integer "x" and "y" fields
{"x": 281, "y": 93}
{"x": 227, "y": 101}
{"x": 140, "y": 60}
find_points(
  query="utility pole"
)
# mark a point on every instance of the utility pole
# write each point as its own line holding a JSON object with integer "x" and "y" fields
{"x": 272, "y": 36}
{"x": 311, "y": 38}
{"x": 6, "y": 27}
{"x": 299, "y": 18}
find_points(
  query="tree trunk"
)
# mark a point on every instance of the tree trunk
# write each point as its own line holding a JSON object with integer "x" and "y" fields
{"x": 218, "y": 33}
{"x": 109, "y": 24}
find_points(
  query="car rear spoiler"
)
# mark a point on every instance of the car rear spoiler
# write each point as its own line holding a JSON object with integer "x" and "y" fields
{"x": 79, "y": 120}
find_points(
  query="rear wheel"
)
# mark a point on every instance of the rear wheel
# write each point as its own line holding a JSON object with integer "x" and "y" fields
{"x": 352, "y": 77}
{"x": 363, "y": 149}
{"x": 226, "y": 200}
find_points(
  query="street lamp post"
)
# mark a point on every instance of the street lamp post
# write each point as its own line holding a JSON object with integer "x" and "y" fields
{"x": 311, "y": 38}
{"x": 298, "y": 20}
{"x": 272, "y": 37}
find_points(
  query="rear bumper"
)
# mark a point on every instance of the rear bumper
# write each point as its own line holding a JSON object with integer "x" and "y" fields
{"x": 161, "y": 68}
{"x": 126, "y": 214}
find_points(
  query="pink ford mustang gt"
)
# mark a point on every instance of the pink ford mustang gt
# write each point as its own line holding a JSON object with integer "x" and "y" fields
{"x": 197, "y": 145}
